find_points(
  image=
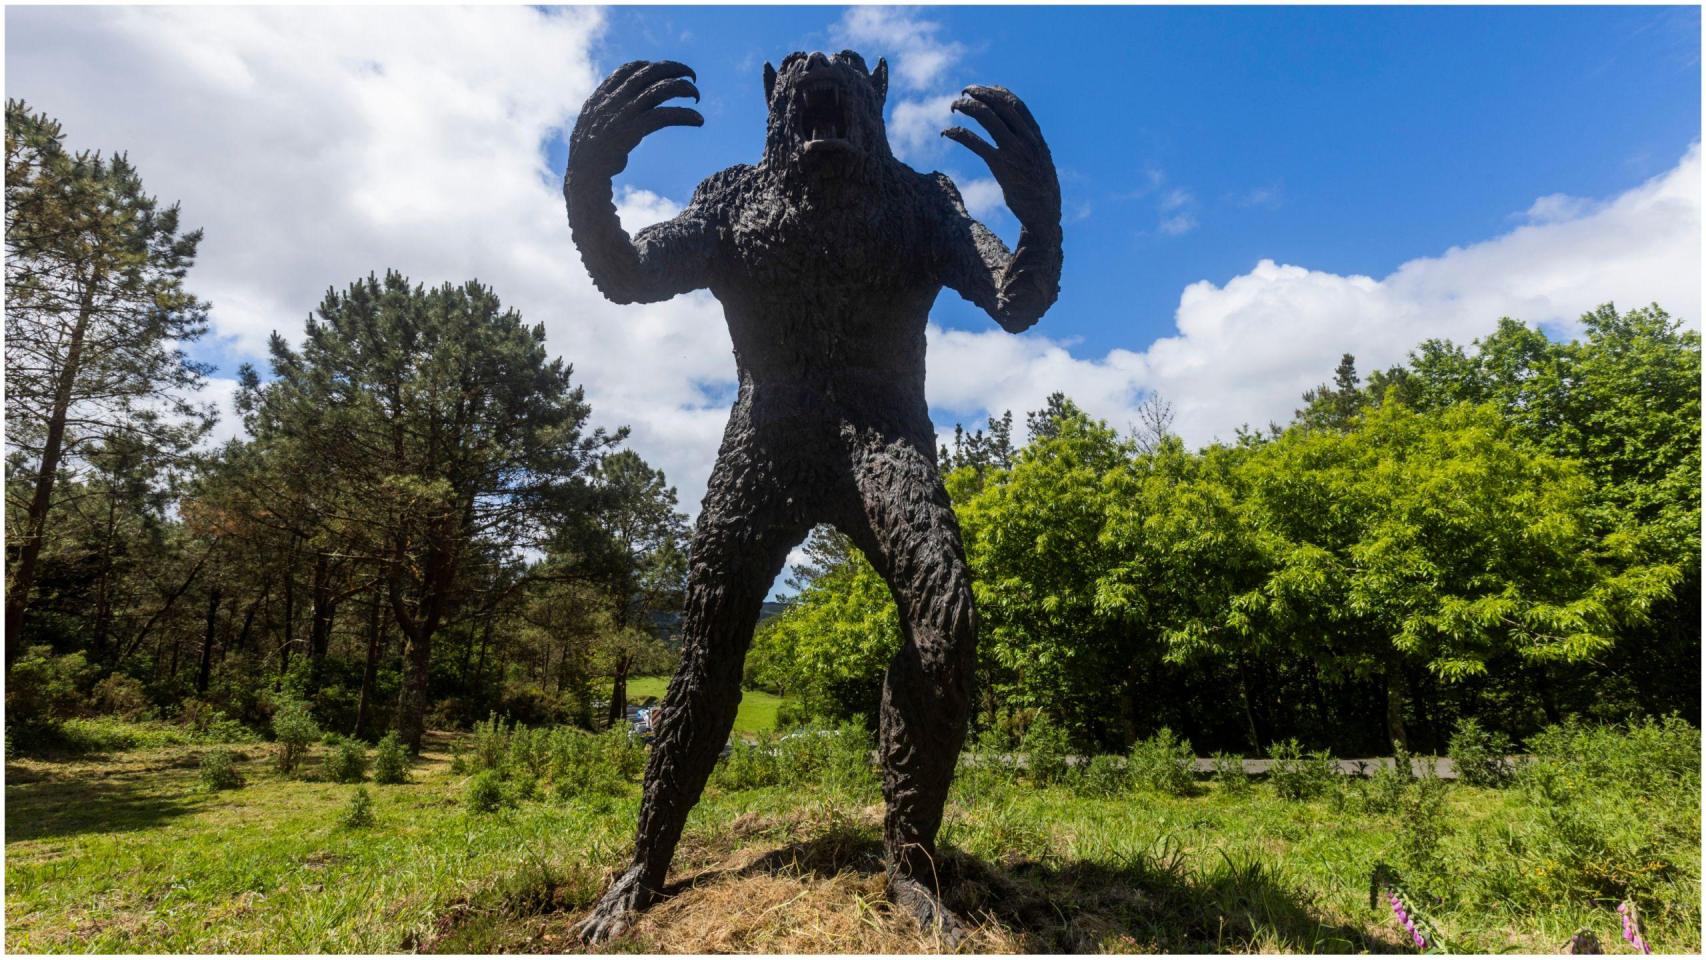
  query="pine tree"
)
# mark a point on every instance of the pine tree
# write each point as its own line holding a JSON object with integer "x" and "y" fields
{"x": 96, "y": 318}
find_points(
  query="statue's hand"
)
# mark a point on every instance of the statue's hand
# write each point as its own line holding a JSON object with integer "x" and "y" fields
{"x": 1019, "y": 160}
{"x": 624, "y": 109}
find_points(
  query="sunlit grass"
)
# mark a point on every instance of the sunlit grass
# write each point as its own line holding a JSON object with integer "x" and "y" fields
{"x": 125, "y": 852}
{"x": 757, "y": 708}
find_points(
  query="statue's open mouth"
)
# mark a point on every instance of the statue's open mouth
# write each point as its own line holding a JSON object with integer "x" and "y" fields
{"x": 823, "y": 118}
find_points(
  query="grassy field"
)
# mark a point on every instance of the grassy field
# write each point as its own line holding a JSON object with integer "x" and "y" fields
{"x": 126, "y": 852}
{"x": 757, "y": 708}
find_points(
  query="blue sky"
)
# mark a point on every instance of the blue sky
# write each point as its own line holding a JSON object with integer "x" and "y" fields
{"x": 1347, "y": 139}
{"x": 1249, "y": 192}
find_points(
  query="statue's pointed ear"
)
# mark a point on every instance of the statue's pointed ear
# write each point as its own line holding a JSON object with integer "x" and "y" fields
{"x": 769, "y": 82}
{"x": 880, "y": 79}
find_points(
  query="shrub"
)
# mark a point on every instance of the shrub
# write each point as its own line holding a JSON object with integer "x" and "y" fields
{"x": 1617, "y": 810}
{"x": 490, "y": 746}
{"x": 1421, "y": 822}
{"x": 1482, "y": 756}
{"x": 42, "y": 688}
{"x": 294, "y": 729}
{"x": 121, "y": 696}
{"x": 1296, "y": 775}
{"x": 390, "y": 760}
{"x": 1229, "y": 772}
{"x": 1046, "y": 751}
{"x": 347, "y": 762}
{"x": 359, "y": 813}
{"x": 486, "y": 792}
{"x": 1104, "y": 776}
{"x": 218, "y": 770}
{"x": 1163, "y": 764}
{"x": 1384, "y": 792}
{"x": 623, "y": 752}
{"x": 749, "y": 765}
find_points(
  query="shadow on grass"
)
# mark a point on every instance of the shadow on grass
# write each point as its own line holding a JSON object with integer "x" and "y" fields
{"x": 68, "y": 801}
{"x": 1069, "y": 906}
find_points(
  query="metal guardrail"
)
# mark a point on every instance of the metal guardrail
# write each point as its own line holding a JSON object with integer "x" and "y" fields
{"x": 1443, "y": 767}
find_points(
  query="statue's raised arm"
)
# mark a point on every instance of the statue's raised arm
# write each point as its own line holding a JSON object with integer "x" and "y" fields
{"x": 664, "y": 259}
{"x": 1014, "y": 288}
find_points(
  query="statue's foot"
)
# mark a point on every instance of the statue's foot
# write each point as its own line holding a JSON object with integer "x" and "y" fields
{"x": 617, "y": 909}
{"x": 933, "y": 916}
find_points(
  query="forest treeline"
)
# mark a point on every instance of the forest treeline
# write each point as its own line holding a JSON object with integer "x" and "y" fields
{"x": 419, "y": 523}
{"x": 1507, "y": 532}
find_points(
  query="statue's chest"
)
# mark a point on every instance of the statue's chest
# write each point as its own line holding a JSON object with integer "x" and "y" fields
{"x": 790, "y": 246}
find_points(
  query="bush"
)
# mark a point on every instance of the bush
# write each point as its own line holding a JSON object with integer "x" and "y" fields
{"x": 1482, "y": 756}
{"x": 1104, "y": 776}
{"x": 347, "y": 762}
{"x": 1384, "y": 792}
{"x": 1296, "y": 775}
{"x": 1229, "y": 772}
{"x": 294, "y": 729}
{"x": 1617, "y": 810}
{"x": 359, "y": 813}
{"x": 390, "y": 760}
{"x": 1163, "y": 764}
{"x": 218, "y": 770}
{"x": 623, "y": 752}
{"x": 1046, "y": 751}
{"x": 486, "y": 792}
{"x": 1421, "y": 822}
{"x": 42, "y": 688}
{"x": 490, "y": 746}
{"x": 121, "y": 696}
{"x": 749, "y": 765}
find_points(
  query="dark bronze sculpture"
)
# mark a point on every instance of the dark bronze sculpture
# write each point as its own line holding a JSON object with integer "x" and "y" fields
{"x": 826, "y": 257}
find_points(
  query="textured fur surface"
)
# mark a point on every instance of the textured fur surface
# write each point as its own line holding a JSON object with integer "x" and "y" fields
{"x": 826, "y": 256}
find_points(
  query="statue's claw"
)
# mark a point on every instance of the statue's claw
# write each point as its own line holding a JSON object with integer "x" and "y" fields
{"x": 617, "y": 908}
{"x": 626, "y": 108}
{"x": 932, "y": 915}
{"x": 1019, "y": 158}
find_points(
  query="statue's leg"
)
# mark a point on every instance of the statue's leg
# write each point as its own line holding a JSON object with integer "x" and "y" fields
{"x": 911, "y": 536}
{"x": 744, "y": 533}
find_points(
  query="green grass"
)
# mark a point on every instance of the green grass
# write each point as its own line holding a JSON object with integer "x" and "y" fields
{"x": 757, "y": 708}
{"x": 124, "y": 852}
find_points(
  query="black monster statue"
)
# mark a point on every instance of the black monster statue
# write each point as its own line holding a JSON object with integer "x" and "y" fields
{"x": 826, "y": 257}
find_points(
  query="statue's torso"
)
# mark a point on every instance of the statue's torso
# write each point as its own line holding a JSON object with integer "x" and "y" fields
{"x": 828, "y": 292}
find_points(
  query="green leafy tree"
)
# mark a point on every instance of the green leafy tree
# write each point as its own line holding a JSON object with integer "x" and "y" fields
{"x": 441, "y": 432}
{"x": 97, "y": 315}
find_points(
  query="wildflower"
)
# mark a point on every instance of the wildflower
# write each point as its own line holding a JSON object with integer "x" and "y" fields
{"x": 1632, "y": 927}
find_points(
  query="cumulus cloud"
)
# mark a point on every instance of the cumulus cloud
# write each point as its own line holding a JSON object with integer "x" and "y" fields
{"x": 1245, "y": 350}
{"x": 916, "y": 53}
{"x": 316, "y": 144}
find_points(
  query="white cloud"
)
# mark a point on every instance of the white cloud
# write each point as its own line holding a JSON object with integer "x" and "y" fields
{"x": 316, "y": 144}
{"x": 915, "y": 126}
{"x": 639, "y": 209}
{"x": 982, "y": 196}
{"x": 1178, "y": 224}
{"x": 915, "y": 54}
{"x": 1555, "y": 207}
{"x": 1245, "y": 350}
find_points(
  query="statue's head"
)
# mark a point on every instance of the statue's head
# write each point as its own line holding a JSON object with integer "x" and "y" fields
{"x": 826, "y": 111}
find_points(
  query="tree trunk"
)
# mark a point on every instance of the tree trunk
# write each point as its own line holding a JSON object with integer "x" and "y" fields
{"x": 1249, "y": 714}
{"x": 320, "y": 629}
{"x": 53, "y": 449}
{"x": 618, "y": 694}
{"x": 1397, "y": 694}
{"x": 411, "y": 699}
{"x": 249, "y": 621}
{"x": 207, "y": 643}
{"x": 370, "y": 670}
